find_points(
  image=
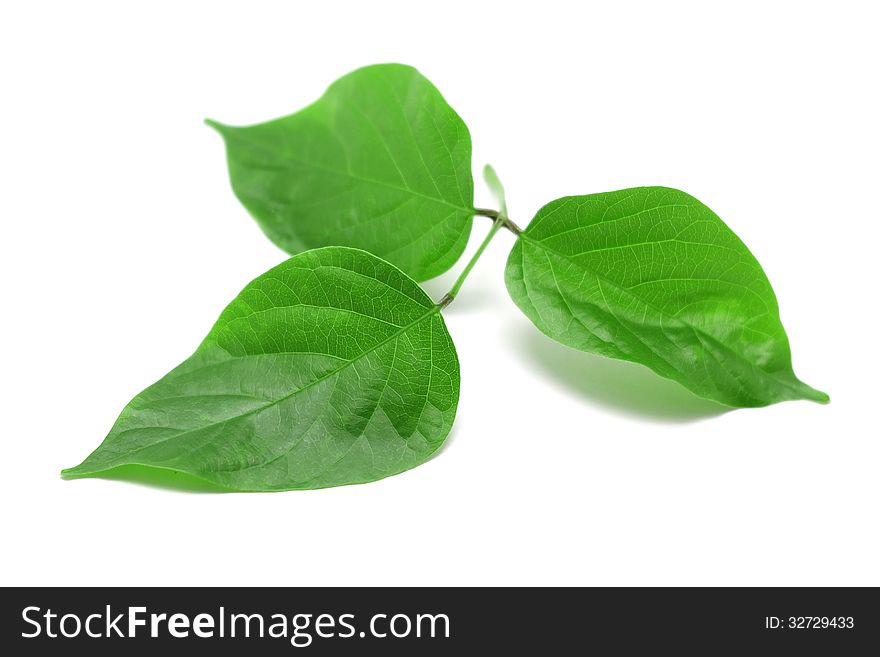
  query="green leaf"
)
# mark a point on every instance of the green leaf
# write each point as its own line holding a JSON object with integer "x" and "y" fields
{"x": 332, "y": 368}
{"x": 380, "y": 162}
{"x": 495, "y": 186}
{"x": 653, "y": 276}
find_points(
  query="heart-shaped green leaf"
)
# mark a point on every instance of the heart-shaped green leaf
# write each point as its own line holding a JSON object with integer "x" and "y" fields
{"x": 332, "y": 368}
{"x": 653, "y": 276}
{"x": 380, "y": 162}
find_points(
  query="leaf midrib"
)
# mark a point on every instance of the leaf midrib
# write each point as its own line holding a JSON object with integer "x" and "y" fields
{"x": 343, "y": 173}
{"x": 433, "y": 310}
{"x": 697, "y": 330}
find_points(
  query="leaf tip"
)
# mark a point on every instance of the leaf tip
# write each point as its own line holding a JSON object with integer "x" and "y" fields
{"x": 821, "y": 397}
{"x": 84, "y": 469}
{"x": 219, "y": 127}
{"x": 810, "y": 393}
{"x": 70, "y": 473}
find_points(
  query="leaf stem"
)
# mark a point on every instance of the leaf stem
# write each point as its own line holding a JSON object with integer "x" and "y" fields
{"x": 494, "y": 215}
{"x": 446, "y": 300}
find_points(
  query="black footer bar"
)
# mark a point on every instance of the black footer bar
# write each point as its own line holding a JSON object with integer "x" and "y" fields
{"x": 436, "y": 621}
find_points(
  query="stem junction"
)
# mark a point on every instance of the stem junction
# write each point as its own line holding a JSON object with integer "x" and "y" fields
{"x": 494, "y": 214}
{"x": 499, "y": 220}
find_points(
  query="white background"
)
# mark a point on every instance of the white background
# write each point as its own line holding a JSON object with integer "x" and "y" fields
{"x": 122, "y": 242}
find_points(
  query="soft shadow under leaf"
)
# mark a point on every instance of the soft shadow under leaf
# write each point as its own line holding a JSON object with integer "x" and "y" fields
{"x": 623, "y": 387}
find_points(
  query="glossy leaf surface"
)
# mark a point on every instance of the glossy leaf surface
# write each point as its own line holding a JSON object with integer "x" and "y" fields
{"x": 653, "y": 276}
{"x": 332, "y": 368}
{"x": 380, "y": 162}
